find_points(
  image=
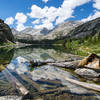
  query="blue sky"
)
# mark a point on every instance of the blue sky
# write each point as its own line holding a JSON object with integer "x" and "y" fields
{"x": 38, "y": 14}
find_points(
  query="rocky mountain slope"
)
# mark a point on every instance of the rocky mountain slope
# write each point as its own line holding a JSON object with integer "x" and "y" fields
{"x": 63, "y": 29}
{"x": 84, "y": 39}
{"x": 42, "y": 34}
{"x": 14, "y": 31}
{"x": 69, "y": 29}
{"x": 5, "y": 33}
{"x": 87, "y": 29}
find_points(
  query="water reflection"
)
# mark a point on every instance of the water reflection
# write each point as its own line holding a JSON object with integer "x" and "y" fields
{"x": 43, "y": 83}
{"x": 6, "y": 56}
{"x": 42, "y": 53}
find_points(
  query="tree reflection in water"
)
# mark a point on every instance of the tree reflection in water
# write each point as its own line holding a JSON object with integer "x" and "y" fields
{"x": 40, "y": 89}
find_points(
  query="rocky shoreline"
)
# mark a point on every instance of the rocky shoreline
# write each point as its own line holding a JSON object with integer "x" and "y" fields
{"x": 88, "y": 68}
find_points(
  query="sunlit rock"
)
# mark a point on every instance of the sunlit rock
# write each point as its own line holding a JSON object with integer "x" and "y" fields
{"x": 89, "y": 73}
{"x": 92, "y": 61}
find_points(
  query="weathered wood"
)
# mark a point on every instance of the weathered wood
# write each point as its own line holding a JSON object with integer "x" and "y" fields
{"x": 84, "y": 84}
{"x": 92, "y": 61}
{"x": 40, "y": 63}
{"x": 71, "y": 65}
{"x": 15, "y": 82}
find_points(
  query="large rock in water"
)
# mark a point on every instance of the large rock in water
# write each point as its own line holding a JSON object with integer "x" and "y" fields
{"x": 5, "y": 33}
{"x": 89, "y": 73}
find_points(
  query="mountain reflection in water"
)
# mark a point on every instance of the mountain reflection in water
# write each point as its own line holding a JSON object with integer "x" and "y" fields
{"x": 43, "y": 83}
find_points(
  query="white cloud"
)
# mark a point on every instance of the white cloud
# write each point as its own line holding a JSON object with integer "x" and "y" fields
{"x": 37, "y": 12}
{"x": 96, "y": 14}
{"x": 96, "y": 4}
{"x": 9, "y": 20}
{"x": 45, "y": 1}
{"x": 21, "y": 19}
{"x": 47, "y": 25}
{"x": 67, "y": 8}
{"x": 37, "y": 21}
{"x": 91, "y": 17}
{"x": 20, "y": 27}
{"x": 47, "y": 15}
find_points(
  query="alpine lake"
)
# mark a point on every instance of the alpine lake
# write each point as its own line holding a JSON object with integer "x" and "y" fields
{"x": 20, "y": 81}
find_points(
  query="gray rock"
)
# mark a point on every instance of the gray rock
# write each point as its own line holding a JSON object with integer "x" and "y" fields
{"x": 87, "y": 73}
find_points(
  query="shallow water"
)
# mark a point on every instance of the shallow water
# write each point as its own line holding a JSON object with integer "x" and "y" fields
{"x": 43, "y": 83}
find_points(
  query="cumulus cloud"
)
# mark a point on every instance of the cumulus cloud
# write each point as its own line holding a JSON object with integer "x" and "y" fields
{"x": 96, "y": 4}
{"x": 46, "y": 24}
{"x": 37, "y": 12}
{"x": 91, "y": 17}
{"x": 20, "y": 27}
{"x": 21, "y": 19}
{"x": 9, "y": 20}
{"x": 37, "y": 21}
{"x": 67, "y": 8}
{"x": 96, "y": 14}
{"x": 45, "y": 1}
{"x": 51, "y": 14}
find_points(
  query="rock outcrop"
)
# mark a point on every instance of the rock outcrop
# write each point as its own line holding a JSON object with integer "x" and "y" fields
{"x": 5, "y": 33}
{"x": 86, "y": 29}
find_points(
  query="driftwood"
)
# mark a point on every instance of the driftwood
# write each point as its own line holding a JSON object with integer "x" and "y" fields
{"x": 63, "y": 64}
{"x": 91, "y": 62}
{"x": 84, "y": 84}
{"x": 70, "y": 65}
{"x": 15, "y": 82}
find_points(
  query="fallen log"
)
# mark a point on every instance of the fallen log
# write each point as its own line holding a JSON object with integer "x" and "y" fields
{"x": 85, "y": 85}
{"x": 90, "y": 62}
{"x": 15, "y": 83}
{"x": 70, "y": 65}
{"x": 36, "y": 86}
{"x": 34, "y": 63}
{"x": 90, "y": 86}
{"x": 63, "y": 64}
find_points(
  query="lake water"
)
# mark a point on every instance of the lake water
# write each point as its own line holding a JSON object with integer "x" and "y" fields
{"x": 43, "y": 83}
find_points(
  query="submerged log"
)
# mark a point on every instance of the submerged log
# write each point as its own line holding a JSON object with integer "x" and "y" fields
{"x": 63, "y": 64}
{"x": 15, "y": 83}
{"x": 36, "y": 86}
{"x": 85, "y": 85}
